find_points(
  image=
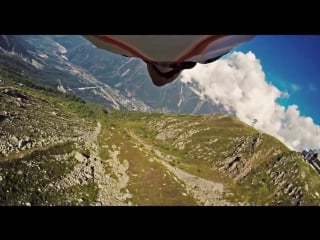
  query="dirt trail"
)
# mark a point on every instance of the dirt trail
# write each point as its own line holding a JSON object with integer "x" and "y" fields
{"x": 204, "y": 191}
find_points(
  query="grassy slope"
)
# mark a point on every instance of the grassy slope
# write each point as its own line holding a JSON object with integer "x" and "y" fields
{"x": 27, "y": 175}
{"x": 255, "y": 168}
{"x": 204, "y": 145}
{"x": 150, "y": 183}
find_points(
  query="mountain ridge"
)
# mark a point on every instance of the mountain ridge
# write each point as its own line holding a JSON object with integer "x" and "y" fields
{"x": 110, "y": 78}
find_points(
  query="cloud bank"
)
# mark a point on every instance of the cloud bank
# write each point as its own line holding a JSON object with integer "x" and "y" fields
{"x": 238, "y": 83}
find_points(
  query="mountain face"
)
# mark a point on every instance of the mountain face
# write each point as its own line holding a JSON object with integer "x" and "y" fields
{"x": 71, "y": 63}
{"x": 13, "y": 44}
{"x": 56, "y": 149}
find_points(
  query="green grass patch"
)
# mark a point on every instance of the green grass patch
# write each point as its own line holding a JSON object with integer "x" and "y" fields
{"x": 28, "y": 179}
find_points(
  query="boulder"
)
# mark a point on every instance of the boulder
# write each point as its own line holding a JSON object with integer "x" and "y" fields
{"x": 80, "y": 157}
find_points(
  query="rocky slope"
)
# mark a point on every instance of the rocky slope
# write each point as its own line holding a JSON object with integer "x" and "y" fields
{"x": 56, "y": 149}
{"x": 12, "y": 44}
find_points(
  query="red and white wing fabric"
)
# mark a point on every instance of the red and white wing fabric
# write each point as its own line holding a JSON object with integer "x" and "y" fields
{"x": 169, "y": 48}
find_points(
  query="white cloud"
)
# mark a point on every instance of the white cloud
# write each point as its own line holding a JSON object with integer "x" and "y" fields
{"x": 285, "y": 95}
{"x": 238, "y": 83}
{"x": 295, "y": 87}
{"x": 312, "y": 88}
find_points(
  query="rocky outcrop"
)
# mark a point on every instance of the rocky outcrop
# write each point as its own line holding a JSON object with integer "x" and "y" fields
{"x": 26, "y": 123}
{"x": 91, "y": 169}
{"x": 286, "y": 180}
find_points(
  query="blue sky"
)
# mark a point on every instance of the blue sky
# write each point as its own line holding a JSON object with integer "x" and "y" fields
{"x": 292, "y": 64}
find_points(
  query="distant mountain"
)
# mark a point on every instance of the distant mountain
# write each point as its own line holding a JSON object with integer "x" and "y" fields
{"x": 13, "y": 44}
{"x": 50, "y": 65}
{"x": 71, "y": 63}
{"x": 56, "y": 149}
